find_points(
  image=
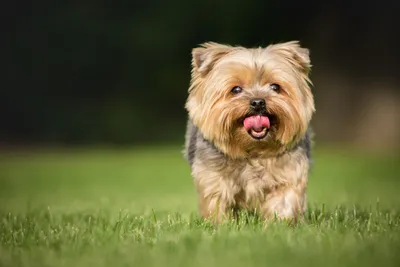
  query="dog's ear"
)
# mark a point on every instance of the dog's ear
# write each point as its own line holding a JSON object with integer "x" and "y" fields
{"x": 205, "y": 56}
{"x": 292, "y": 51}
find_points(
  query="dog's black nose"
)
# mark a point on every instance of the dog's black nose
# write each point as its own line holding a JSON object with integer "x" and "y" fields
{"x": 257, "y": 104}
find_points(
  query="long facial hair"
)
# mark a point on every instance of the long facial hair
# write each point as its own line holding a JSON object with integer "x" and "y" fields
{"x": 219, "y": 114}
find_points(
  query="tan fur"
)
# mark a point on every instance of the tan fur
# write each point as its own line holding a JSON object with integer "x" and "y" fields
{"x": 269, "y": 185}
{"x": 269, "y": 175}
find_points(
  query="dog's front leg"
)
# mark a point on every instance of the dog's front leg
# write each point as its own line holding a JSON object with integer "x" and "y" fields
{"x": 216, "y": 196}
{"x": 285, "y": 203}
{"x": 213, "y": 208}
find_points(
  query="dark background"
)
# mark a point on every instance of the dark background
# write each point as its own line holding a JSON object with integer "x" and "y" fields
{"x": 117, "y": 72}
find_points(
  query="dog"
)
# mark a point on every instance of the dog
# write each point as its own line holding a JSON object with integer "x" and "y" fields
{"x": 248, "y": 136}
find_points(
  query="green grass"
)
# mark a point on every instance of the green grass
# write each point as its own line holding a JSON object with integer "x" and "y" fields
{"x": 138, "y": 208}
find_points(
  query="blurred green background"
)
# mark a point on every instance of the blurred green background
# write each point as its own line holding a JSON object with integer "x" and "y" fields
{"x": 137, "y": 207}
{"x": 117, "y": 72}
{"x": 92, "y": 126}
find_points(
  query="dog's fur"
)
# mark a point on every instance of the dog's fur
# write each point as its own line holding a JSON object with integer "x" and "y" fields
{"x": 231, "y": 169}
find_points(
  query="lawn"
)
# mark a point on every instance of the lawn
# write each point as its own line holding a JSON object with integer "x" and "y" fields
{"x": 137, "y": 207}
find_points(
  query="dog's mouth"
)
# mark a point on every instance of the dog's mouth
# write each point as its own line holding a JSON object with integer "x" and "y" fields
{"x": 257, "y": 125}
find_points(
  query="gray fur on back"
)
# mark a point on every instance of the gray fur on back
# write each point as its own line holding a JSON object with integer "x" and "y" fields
{"x": 190, "y": 142}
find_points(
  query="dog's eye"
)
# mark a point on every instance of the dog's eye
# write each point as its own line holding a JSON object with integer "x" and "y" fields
{"x": 275, "y": 87}
{"x": 236, "y": 90}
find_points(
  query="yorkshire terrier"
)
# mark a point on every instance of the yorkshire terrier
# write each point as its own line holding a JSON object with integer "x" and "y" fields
{"x": 248, "y": 136}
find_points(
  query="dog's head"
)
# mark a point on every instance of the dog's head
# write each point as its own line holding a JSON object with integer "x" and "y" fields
{"x": 251, "y": 100}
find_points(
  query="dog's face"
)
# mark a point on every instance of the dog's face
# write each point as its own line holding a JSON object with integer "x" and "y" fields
{"x": 251, "y": 100}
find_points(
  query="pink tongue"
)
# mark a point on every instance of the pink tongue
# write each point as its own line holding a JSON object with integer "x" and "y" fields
{"x": 256, "y": 122}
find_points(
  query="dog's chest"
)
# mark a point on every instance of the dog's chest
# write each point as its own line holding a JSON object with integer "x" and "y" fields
{"x": 258, "y": 177}
{"x": 247, "y": 182}
{"x": 254, "y": 177}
